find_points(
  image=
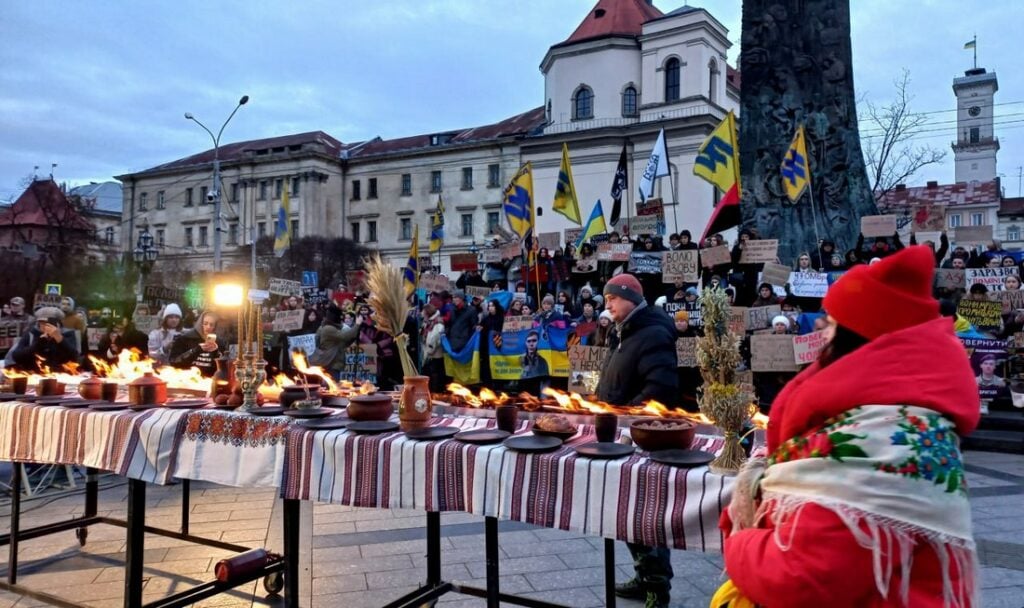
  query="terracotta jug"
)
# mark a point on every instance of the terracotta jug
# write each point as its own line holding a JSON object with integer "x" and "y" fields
{"x": 414, "y": 405}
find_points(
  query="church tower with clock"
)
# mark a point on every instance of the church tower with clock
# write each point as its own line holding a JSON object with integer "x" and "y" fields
{"x": 976, "y": 145}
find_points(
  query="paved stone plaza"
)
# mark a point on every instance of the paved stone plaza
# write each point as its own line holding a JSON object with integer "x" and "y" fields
{"x": 363, "y": 557}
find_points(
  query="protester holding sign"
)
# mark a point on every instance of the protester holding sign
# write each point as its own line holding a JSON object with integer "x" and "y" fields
{"x": 865, "y": 474}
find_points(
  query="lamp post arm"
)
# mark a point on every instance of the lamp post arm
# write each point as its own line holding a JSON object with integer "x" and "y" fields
{"x": 210, "y": 133}
{"x": 216, "y": 141}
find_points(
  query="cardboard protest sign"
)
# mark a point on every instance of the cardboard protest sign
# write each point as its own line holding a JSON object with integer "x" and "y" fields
{"x": 775, "y": 274}
{"x": 93, "y": 335}
{"x": 434, "y": 283}
{"x": 929, "y": 218}
{"x": 306, "y": 343}
{"x": 680, "y": 265}
{"x": 950, "y": 278}
{"x": 614, "y": 252}
{"x": 878, "y": 225}
{"x": 759, "y": 251}
{"x": 1011, "y": 299}
{"x": 645, "y": 224}
{"x": 314, "y": 297}
{"x": 760, "y": 317}
{"x": 992, "y": 278}
{"x": 477, "y": 292}
{"x": 572, "y": 235}
{"x": 587, "y": 358}
{"x": 972, "y": 235}
{"x": 360, "y": 363}
{"x": 715, "y": 256}
{"x": 686, "y": 352}
{"x": 772, "y": 353}
{"x": 983, "y": 314}
{"x": 645, "y": 262}
{"x": 284, "y": 287}
{"x": 288, "y": 320}
{"x": 490, "y": 256}
{"x": 461, "y": 262}
{"x": 652, "y": 206}
{"x": 46, "y": 299}
{"x": 549, "y": 240}
{"x": 511, "y": 250}
{"x": 808, "y": 284}
{"x": 161, "y": 293}
{"x": 517, "y": 323}
{"x": 807, "y": 347}
{"x": 738, "y": 316}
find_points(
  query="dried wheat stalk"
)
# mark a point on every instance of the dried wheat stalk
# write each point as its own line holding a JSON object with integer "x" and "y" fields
{"x": 390, "y": 306}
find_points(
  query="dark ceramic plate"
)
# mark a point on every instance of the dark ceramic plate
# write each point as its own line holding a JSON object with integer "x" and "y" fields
{"x": 267, "y": 410}
{"x": 107, "y": 406}
{"x": 79, "y": 403}
{"x": 533, "y": 443}
{"x": 482, "y": 436}
{"x": 11, "y": 397}
{"x": 429, "y": 433}
{"x": 563, "y": 435}
{"x": 316, "y": 412}
{"x": 372, "y": 427}
{"x": 596, "y": 449}
{"x": 144, "y": 406}
{"x": 47, "y": 401}
{"x": 187, "y": 404}
{"x": 324, "y": 424}
{"x": 682, "y": 458}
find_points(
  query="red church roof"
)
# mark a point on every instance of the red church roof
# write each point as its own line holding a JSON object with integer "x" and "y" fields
{"x": 44, "y": 204}
{"x": 960, "y": 193}
{"x": 614, "y": 17}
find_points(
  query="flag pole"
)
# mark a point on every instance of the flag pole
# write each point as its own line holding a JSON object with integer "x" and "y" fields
{"x": 975, "y": 49}
{"x": 675, "y": 200}
{"x": 810, "y": 194}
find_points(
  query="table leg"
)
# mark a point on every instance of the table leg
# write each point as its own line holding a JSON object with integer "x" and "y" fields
{"x": 291, "y": 516}
{"x": 92, "y": 492}
{"x": 12, "y": 559}
{"x": 491, "y": 556}
{"x": 186, "y": 488}
{"x": 609, "y": 573}
{"x": 136, "y": 543}
{"x": 433, "y": 548}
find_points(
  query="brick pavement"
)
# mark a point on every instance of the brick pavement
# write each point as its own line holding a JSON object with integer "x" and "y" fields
{"x": 362, "y": 557}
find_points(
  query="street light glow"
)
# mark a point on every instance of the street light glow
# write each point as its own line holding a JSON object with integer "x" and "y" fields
{"x": 228, "y": 294}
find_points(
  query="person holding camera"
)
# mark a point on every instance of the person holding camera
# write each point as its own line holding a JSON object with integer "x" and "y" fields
{"x": 199, "y": 347}
{"x": 46, "y": 344}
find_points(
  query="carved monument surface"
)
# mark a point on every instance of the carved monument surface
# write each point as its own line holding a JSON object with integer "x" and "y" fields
{"x": 796, "y": 62}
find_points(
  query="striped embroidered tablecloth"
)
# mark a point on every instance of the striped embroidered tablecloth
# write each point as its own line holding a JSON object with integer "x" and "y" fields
{"x": 631, "y": 499}
{"x": 139, "y": 445}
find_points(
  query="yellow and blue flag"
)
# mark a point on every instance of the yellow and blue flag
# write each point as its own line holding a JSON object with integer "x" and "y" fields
{"x": 411, "y": 273}
{"x": 595, "y": 225}
{"x": 282, "y": 225}
{"x": 796, "y": 173}
{"x": 718, "y": 160}
{"x": 519, "y": 202}
{"x": 437, "y": 227}
{"x": 464, "y": 365}
{"x": 566, "y": 202}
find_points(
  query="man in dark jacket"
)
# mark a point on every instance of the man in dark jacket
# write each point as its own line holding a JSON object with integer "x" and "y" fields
{"x": 464, "y": 321}
{"x": 48, "y": 343}
{"x": 199, "y": 347}
{"x": 642, "y": 367}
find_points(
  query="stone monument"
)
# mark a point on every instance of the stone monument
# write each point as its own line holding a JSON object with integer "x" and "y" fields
{"x": 797, "y": 68}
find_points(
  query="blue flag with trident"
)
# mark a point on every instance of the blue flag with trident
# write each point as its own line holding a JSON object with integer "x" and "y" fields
{"x": 795, "y": 171}
{"x": 519, "y": 202}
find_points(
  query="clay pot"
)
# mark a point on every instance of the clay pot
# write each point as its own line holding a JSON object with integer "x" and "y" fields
{"x": 91, "y": 388}
{"x": 370, "y": 407}
{"x": 653, "y": 439}
{"x": 147, "y": 389}
{"x": 297, "y": 392}
{"x": 223, "y": 381}
{"x": 49, "y": 387}
{"x": 414, "y": 404}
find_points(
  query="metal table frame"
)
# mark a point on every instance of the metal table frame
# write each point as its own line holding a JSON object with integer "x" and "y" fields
{"x": 435, "y": 587}
{"x": 136, "y": 529}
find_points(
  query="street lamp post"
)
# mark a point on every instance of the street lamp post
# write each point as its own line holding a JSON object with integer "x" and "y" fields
{"x": 214, "y": 194}
{"x": 144, "y": 254}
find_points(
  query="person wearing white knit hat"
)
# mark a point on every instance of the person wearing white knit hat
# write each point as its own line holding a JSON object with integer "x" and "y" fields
{"x": 780, "y": 324}
{"x": 160, "y": 339}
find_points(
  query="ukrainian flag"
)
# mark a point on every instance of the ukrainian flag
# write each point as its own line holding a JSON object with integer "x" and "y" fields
{"x": 463, "y": 366}
{"x": 796, "y": 173}
{"x": 566, "y": 202}
{"x": 718, "y": 160}
{"x": 411, "y": 273}
{"x": 595, "y": 225}
{"x": 519, "y": 201}
{"x": 437, "y": 227}
{"x": 282, "y": 225}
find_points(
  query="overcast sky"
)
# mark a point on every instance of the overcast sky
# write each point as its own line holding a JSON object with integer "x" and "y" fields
{"x": 100, "y": 87}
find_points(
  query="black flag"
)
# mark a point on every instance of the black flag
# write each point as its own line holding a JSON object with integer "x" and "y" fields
{"x": 619, "y": 185}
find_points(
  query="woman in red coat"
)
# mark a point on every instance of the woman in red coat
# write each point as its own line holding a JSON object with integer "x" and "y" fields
{"x": 863, "y": 501}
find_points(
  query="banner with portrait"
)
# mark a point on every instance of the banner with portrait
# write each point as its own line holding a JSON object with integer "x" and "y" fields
{"x": 529, "y": 353}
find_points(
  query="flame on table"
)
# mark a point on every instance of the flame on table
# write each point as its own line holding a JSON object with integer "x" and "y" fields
{"x": 302, "y": 366}
{"x": 131, "y": 364}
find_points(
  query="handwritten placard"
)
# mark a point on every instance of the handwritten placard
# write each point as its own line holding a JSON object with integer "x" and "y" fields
{"x": 1012, "y": 299}
{"x": 992, "y": 278}
{"x": 46, "y": 299}
{"x": 775, "y": 274}
{"x": 490, "y": 256}
{"x": 760, "y": 317}
{"x": 929, "y": 218}
{"x": 973, "y": 235}
{"x": 360, "y": 363}
{"x": 477, "y": 292}
{"x": 614, "y": 252}
{"x": 983, "y": 314}
{"x": 644, "y": 224}
{"x": 686, "y": 352}
{"x": 572, "y": 235}
{"x": 645, "y": 262}
{"x": 715, "y": 256}
{"x": 511, "y": 250}
{"x": 680, "y": 266}
{"x": 434, "y": 283}
{"x": 878, "y": 225}
{"x": 549, "y": 240}
{"x": 285, "y": 287}
{"x": 462, "y": 262}
{"x": 288, "y": 320}
{"x": 950, "y": 278}
{"x": 587, "y": 358}
{"x": 306, "y": 343}
{"x": 738, "y": 316}
{"x": 758, "y": 251}
{"x": 517, "y": 323}
{"x": 807, "y": 347}
{"x": 772, "y": 353}
{"x": 808, "y": 284}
